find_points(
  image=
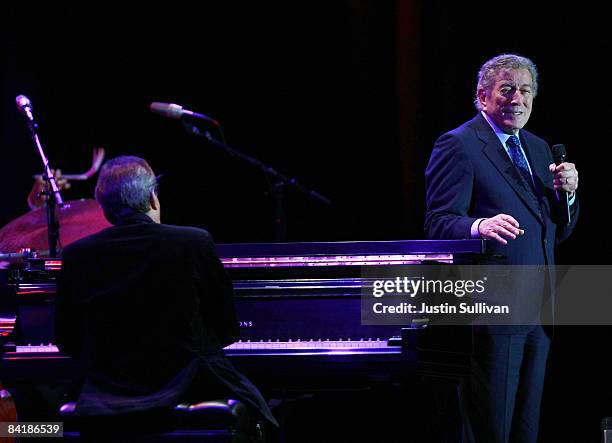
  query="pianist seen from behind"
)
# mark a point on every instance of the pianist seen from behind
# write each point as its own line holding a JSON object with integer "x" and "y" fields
{"x": 147, "y": 307}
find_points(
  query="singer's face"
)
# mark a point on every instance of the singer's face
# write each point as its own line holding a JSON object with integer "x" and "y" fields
{"x": 509, "y": 101}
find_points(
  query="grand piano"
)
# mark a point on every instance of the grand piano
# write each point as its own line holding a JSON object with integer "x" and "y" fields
{"x": 296, "y": 302}
{"x": 298, "y": 306}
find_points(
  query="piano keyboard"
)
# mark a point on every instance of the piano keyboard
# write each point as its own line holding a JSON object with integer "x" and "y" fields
{"x": 36, "y": 349}
{"x": 262, "y": 347}
{"x": 33, "y": 352}
{"x": 294, "y": 347}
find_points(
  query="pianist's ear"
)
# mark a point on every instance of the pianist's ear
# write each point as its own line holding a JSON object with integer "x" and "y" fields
{"x": 154, "y": 212}
{"x": 154, "y": 201}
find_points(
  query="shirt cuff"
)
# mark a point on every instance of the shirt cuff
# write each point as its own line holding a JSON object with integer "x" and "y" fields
{"x": 474, "y": 233}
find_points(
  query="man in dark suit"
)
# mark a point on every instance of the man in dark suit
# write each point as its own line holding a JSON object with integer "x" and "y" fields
{"x": 147, "y": 307}
{"x": 491, "y": 179}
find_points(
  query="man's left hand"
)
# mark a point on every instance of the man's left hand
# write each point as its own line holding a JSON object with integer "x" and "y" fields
{"x": 565, "y": 177}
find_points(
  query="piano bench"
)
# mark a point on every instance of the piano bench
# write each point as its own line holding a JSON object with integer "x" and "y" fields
{"x": 217, "y": 421}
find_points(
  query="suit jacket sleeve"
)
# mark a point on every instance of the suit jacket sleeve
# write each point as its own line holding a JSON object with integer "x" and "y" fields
{"x": 217, "y": 296}
{"x": 449, "y": 181}
{"x": 68, "y": 321}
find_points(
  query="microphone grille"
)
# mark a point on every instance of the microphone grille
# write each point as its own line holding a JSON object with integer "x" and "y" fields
{"x": 22, "y": 102}
{"x": 169, "y": 110}
{"x": 559, "y": 153}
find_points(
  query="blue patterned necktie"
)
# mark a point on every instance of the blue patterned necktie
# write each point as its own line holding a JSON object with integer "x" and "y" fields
{"x": 519, "y": 160}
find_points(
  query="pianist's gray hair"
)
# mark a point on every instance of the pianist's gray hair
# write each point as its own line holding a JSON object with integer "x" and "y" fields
{"x": 503, "y": 62}
{"x": 124, "y": 187}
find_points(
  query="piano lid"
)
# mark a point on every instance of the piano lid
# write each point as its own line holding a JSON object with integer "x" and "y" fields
{"x": 360, "y": 253}
{"x": 399, "y": 247}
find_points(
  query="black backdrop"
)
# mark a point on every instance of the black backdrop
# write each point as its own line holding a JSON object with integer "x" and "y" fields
{"x": 310, "y": 94}
{"x": 345, "y": 96}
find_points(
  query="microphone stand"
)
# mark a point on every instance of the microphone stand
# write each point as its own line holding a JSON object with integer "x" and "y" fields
{"x": 276, "y": 190}
{"x": 55, "y": 198}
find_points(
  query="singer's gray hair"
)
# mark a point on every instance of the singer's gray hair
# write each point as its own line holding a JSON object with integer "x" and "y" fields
{"x": 124, "y": 187}
{"x": 503, "y": 62}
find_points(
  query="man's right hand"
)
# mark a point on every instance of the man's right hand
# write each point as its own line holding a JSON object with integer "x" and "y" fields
{"x": 500, "y": 228}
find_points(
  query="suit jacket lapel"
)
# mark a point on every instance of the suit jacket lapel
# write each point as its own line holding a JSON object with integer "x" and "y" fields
{"x": 497, "y": 155}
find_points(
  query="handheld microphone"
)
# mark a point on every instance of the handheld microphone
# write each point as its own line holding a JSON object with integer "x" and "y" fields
{"x": 174, "y": 111}
{"x": 24, "y": 106}
{"x": 559, "y": 154}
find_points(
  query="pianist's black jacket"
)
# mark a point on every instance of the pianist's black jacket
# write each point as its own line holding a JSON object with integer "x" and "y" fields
{"x": 147, "y": 307}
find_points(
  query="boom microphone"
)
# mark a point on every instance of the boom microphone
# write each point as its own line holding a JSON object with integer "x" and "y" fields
{"x": 173, "y": 111}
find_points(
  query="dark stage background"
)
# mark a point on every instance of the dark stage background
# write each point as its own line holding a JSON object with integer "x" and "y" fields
{"x": 345, "y": 96}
